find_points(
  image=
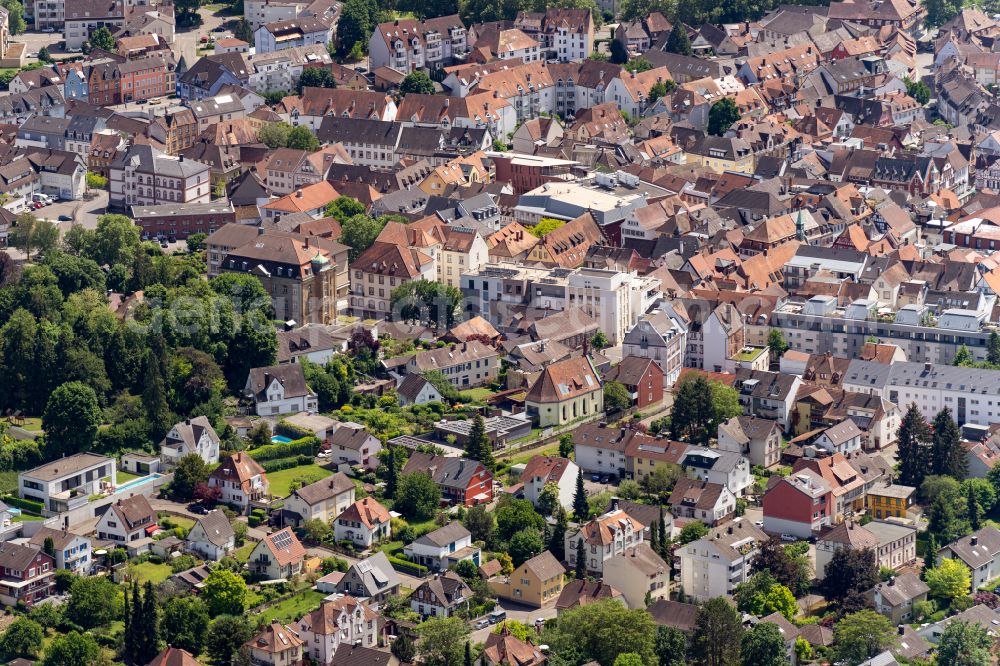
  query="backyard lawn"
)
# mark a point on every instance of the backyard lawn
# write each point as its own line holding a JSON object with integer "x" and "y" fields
{"x": 281, "y": 480}
{"x": 124, "y": 477}
{"x": 294, "y": 607}
{"x": 177, "y": 521}
{"x": 478, "y": 393}
{"x": 242, "y": 554}
{"x": 155, "y": 573}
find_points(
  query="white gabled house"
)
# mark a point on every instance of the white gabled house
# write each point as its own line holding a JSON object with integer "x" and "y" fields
{"x": 363, "y": 523}
{"x": 127, "y": 521}
{"x": 212, "y": 536}
{"x": 241, "y": 481}
{"x": 190, "y": 436}
{"x": 280, "y": 389}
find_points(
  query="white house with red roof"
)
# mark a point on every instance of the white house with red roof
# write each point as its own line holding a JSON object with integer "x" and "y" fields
{"x": 241, "y": 481}
{"x": 543, "y": 470}
{"x": 604, "y": 537}
{"x": 363, "y": 523}
{"x": 278, "y": 555}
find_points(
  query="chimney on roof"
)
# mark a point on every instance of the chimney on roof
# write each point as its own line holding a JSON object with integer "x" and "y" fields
{"x": 614, "y": 503}
{"x": 928, "y": 366}
{"x": 267, "y": 379}
{"x": 181, "y": 158}
{"x": 901, "y": 629}
{"x": 974, "y": 540}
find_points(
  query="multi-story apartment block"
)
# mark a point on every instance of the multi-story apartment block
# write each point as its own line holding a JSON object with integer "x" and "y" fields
{"x": 407, "y": 44}
{"x": 300, "y": 274}
{"x": 380, "y": 269}
{"x": 616, "y": 299}
{"x": 290, "y": 33}
{"x": 82, "y": 16}
{"x": 144, "y": 176}
{"x": 262, "y": 12}
{"x": 565, "y": 34}
{"x": 722, "y": 559}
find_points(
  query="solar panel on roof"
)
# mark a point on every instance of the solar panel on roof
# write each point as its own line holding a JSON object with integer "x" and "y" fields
{"x": 282, "y": 540}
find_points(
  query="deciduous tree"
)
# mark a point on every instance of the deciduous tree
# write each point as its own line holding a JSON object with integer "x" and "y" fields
{"x": 718, "y": 634}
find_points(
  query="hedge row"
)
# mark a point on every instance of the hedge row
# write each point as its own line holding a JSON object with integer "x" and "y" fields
{"x": 407, "y": 566}
{"x": 291, "y": 430}
{"x": 307, "y": 446}
{"x": 24, "y": 504}
{"x": 285, "y": 463}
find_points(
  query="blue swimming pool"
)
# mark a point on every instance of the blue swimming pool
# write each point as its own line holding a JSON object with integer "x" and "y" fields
{"x": 280, "y": 439}
{"x": 138, "y": 482}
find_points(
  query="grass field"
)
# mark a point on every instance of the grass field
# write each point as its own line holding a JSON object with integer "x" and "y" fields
{"x": 479, "y": 393}
{"x": 294, "y": 607}
{"x": 33, "y": 424}
{"x": 282, "y": 479}
{"x": 178, "y": 521}
{"x": 124, "y": 477}
{"x": 155, "y": 573}
{"x": 8, "y": 483}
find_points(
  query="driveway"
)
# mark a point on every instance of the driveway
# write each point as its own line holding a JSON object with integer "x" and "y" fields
{"x": 517, "y": 612}
{"x": 186, "y": 39}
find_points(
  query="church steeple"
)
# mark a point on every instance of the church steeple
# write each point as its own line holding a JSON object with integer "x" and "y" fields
{"x": 800, "y": 228}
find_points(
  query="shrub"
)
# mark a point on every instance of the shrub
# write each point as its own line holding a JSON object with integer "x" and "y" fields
{"x": 277, "y": 464}
{"x": 307, "y": 446}
{"x": 292, "y": 431}
{"x": 407, "y": 566}
{"x": 24, "y": 504}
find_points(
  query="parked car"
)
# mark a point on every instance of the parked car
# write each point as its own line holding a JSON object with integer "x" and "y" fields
{"x": 595, "y": 477}
{"x": 482, "y": 624}
{"x": 219, "y": 29}
{"x": 789, "y": 537}
{"x": 197, "y": 508}
{"x": 65, "y": 218}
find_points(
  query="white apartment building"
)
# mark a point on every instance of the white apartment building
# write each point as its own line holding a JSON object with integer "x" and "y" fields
{"x": 280, "y": 70}
{"x": 407, "y": 44}
{"x": 725, "y": 468}
{"x": 616, "y": 299}
{"x": 660, "y": 335}
{"x": 819, "y": 326}
{"x": 972, "y": 394}
{"x": 288, "y": 33}
{"x": 261, "y": 12}
{"x": 715, "y": 564}
{"x": 323, "y": 500}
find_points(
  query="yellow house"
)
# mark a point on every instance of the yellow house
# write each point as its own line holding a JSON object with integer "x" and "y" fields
{"x": 889, "y": 500}
{"x": 720, "y": 153}
{"x": 534, "y": 583}
{"x": 565, "y": 391}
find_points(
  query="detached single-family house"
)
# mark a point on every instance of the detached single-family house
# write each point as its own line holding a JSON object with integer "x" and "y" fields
{"x": 541, "y": 471}
{"x": 415, "y": 390}
{"x": 337, "y": 625}
{"x": 195, "y": 436}
{"x": 604, "y": 537}
{"x": 980, "y": 551}
{"x": 441, "y": 596}
{"x": 128, "y": 520}
{"x": 241, "y": 481}
{"x": 276, "y": 644}
{"x": 322, "y": 500}
{"x": 363, "y": 523}
{"x": 462, "y": 481}
{"x": 278, "y": 555}
{"x": 694, "y": 499}
{"x": 280, "y": 389}
{"x": 723, "y": 467}
{"x": 444, "y": 547}
{"x": 535, "y": 583}
{"x": 73, "y": 552}
{"x": 212, "y": 536}
{"x": 895, "y": 597}
{"x": 351, "y": 444}
{"x": 373, "y": 579}
{"x": 641, "y": 575}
